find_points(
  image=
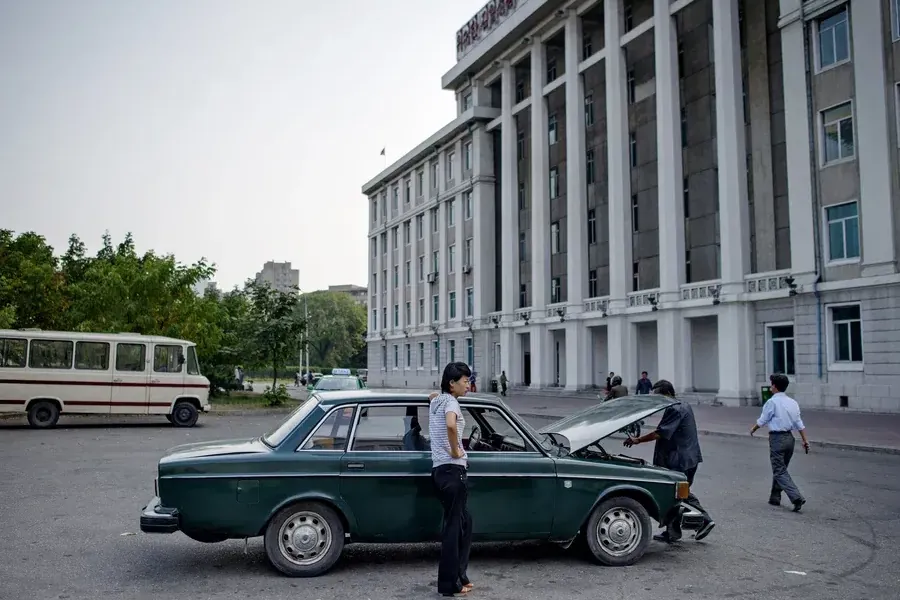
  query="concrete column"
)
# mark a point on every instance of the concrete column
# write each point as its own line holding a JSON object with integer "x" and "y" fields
{"x": 379, "y": 267}
{"x": 509, "y": 207}
{"x": 443, "y": 263}
{"x": 541, "y": 357}
{"x": 622, "y": 348}
{"x": 872, "y": 140}
{"x": 619, "y": 166}
{"x": 668, "y": 132}
{"x": 510, "y": 355}
{"x": 540, "y": 184}
{"x": 391, "y": 296}
{"x": 734, "y": 211}
{"x": 761, "y": 137}
{"x": 579, "y": 356}
{"x": 460, "y": 241}
{"x": 737, "y": 361}
{"x": 483, "y": 224}
{"x": 797, "y": 134}
{"x": 673, "y": 349}
{"x": 576, "y": 181}
{"x": 428, "y": 289}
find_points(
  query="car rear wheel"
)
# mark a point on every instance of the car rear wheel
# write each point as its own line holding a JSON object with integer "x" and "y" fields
{"x": 43, "y": 414}
{"x": 304, "y": 539}
{"x": 618, "y": 532}
{"x": 184, "y": 414}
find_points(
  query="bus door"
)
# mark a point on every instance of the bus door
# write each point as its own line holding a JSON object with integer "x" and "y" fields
{"x": 166, "y": 377}
{"x": 130, "y": 378}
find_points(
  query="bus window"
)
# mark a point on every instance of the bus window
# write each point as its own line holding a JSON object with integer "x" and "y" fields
{"x": 12, "y": 353}
{"x": 131, "y": 357}
{"x": 167, "y": 359}
{"x": 193, "y": 367}
{"x": 51, "y": 354}
{"x": 92, "y": 356}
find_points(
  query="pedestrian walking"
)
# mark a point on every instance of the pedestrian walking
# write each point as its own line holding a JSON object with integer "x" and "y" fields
{"x": 448, "y": 474}
{"x": 503, "y": 383}
{"x": 677, "y": 448}
{"x": 781, "y": 414}
{"x": 644, "y": 385}
{"x": 617, "y": 390}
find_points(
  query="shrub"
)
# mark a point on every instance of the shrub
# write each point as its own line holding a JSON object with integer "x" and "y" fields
{"x": 277, "y": 396}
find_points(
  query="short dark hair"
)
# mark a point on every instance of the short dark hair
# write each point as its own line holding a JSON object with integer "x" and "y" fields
{"x": 664, "y": 387}
{"x": 454, "y": 372}
{"x": 779, "y": 381}
{"x": 643, "y": 372}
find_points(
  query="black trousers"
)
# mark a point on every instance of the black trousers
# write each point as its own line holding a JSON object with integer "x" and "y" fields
{"x": 674, "y": 528}
{"x": 451, "y": 484}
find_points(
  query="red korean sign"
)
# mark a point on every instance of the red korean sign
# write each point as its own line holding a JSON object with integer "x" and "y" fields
{"x": 484, "y": 21}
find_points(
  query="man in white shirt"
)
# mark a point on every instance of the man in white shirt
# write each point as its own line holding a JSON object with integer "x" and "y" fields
{"x": 781, "y": 414}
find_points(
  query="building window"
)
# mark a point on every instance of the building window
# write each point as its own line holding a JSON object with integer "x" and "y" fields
{"x": 592, "y": 226}
{"x": 396, "y": 356}
{"x": 554, "y": 238}
{"x": 383, "y": 358}
{"x": 384, "y": 247}
{"x": 680, "y": 60}
{"x": 520, "y": 90}
{"x": 520, "y": 144}
{"x": 420, "y": 183}
{"x": 407, "y": 318}
{"x": 833, "y": 39}
{"x": 552, "y": 126}
{"x": 895, "y": 21}
{"x": 523, "y": 295}
{"x": 374, "y": 247}
{"x": 634, "y": 214}
{"x": 408, "y": 195}
{"x": 897, "y": 100}
{"x": 628, "y": 16}
{"x": 468, "y": 259}
{"x": 451, "y": 213}
{"x": 420, "y": 268}
{"x": 452, "y": 357}
{"x": 589, "y": 110}
{"x": 421, "y": 311}
{"x": 396, "y": 316}
{"x": 592, "y": 283}
{"x": 589, "y": 166}
{"x": 452, "y": 304}
{"x": 684, "y": 128}
{"x": 408, "y": 356}
{"x": 421, "y": 355}
{"x": 632, "y": 148}
{"x": 554, "y": 183}
{"x": 555, "y": 290}
{"x": 396, "y": 277}
{"x": 407, "y": 227}
{"x": 635, "y": 276}
{"x": 384, "y": 280}
{"x": 375, "y": 210}
{"x": 420, "y": 226}
{"x": 434, "y": 175}
{"x": 467, "y": 156}
{"x": 467, "y": 101}
{"x": 395, "y": 237}
{"x": 687, "y": 266}
{"x": 522, "y": 246}
{"x": 435, "y": 308}
{"x": 451, "y": 157}
{"x": 630, "y": 86}
{"x": 436, "y": 354}
{"x": 843, "y": 231}
{"x": 435, "y": 261}
{"x": 375, "y": 319}
{"x": 551, "y": 69}
{"x": 587, "y": 45}
{"x": 384, "y": 316}
{"x": 686, "y": 196}
{"x": 467, "y": 205}
{"x": 408, "y": 272}
{"x": 470, "y": 352}
{"x": 781, "y": 348}
{"x": 470, "y": 302}
{"x": 521, "y": 195}
{"x": 837, "y": 133}
{"x": 434, "y": 220}
{"x": 846, "y": 328}
{"x": 451, "y": 259}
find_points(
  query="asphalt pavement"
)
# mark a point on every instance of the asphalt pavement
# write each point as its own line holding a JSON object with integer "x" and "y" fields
{"x": 70, "y": 501}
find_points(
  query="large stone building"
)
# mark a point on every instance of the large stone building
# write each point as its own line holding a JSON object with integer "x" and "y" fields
{"x": 279, "y": 276}
{"x": 708, "y": 190}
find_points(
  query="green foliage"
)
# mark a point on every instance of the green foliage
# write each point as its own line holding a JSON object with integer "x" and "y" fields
{"x": 32, "y": 289}
{"x": 276, "y": 396}
{"x": 337, "y": 328}
{"x": 275, "y": 326}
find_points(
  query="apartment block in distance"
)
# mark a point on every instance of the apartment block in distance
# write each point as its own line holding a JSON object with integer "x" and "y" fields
{"x": 280, "y": 276}
{"x": 707, "y": 190}
{"x": 359, "y": 294}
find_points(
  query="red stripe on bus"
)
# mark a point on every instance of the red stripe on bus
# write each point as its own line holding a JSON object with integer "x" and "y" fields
{"x": 92, "y": 403}
{"x": 104, "y": 383}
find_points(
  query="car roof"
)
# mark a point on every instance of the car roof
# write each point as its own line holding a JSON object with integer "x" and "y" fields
{"x": 338, "y": 398}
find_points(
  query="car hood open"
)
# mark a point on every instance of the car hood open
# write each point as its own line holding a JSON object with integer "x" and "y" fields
{"x": 601, "y": 420}
{"x": 216, "y": 448}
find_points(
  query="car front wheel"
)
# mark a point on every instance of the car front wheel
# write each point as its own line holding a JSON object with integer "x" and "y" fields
{"x": 184, "y": 414}
{"x": 618, "y": 531}
{"x": 304, "y": 539}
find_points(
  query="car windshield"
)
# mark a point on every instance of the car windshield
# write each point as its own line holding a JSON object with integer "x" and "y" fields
{"x": 275, "y": 437}
{"x": 332, "y": 384}
{"x": 542, "y": 438}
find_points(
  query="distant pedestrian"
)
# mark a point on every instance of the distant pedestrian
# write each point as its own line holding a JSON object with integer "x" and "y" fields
{"x": 617, "y": 390}
{"x": 448, "y": 474}
{"x": 677, "y": 448}
{"x": 503, "y": 383}
{"x": 781, "y": 414}
{"x": 472, "y": 382}
{"x": 609, "y": 382}
{"x": 644, "y": 385}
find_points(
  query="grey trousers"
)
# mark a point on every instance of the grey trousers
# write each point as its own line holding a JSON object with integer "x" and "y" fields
{"x": 781, "y": 449}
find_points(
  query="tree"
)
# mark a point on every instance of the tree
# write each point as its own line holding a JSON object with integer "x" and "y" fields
{"x": 337, "y": 326}
{"x": 32, "y": 290}
{"x": 276, "y": 325}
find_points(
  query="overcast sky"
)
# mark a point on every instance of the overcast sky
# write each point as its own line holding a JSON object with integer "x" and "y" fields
{"x": 238, "y": 130}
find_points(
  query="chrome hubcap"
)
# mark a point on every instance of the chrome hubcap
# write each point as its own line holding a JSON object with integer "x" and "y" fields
{"x": 304, "y": 538}
{"x": 619, "y": 531}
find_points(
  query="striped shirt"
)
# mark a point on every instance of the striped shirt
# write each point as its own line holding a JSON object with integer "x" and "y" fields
{"x": 437, "y": 430}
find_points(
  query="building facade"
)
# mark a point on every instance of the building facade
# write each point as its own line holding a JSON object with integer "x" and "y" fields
{"x": 359, "y": 293}
{"x": 279, "y": 276}
{"x": 707, "y": 190}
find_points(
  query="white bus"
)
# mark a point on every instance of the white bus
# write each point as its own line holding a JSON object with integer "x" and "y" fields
{"x": 45, "y": 373}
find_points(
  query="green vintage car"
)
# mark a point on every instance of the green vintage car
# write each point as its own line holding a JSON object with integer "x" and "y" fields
{"x": 355, "y": 466}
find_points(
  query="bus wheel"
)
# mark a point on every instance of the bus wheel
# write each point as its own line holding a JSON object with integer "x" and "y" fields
{"x": 43, "y": 414}
{"x": 184, "y": 414}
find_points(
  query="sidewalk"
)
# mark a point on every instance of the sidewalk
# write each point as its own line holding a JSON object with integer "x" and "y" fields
{"x": 847, "y": 430}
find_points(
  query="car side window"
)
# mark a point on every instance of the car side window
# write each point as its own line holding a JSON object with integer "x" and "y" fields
{"x": 499, "y": 434}
{"x": 392, "y": 429}
{"x": 332, "y": 433}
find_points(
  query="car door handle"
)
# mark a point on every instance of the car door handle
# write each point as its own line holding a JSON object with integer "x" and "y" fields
{"x": 356, "y": 466}
{"x": 154, "y": 381}
{"x": 117, "y": 380}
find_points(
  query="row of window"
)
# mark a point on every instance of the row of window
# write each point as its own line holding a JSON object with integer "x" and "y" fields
{"x": 845, "y": 341}
{"x": 407, "y": 360}
{"x": 468, "y": 212}
{"x": 468, "y": 261}
{"x": 15, "y": 353}
{"x": 435, "y": 310}
{"x": 450, "y": 159}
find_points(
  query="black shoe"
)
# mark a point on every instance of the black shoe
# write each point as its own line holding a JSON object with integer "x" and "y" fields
{"x": 775, "y": 501}
{"x": 704, "y": 530}
{"x": 798, "y": 504}
{"x": 665, "y": 538}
